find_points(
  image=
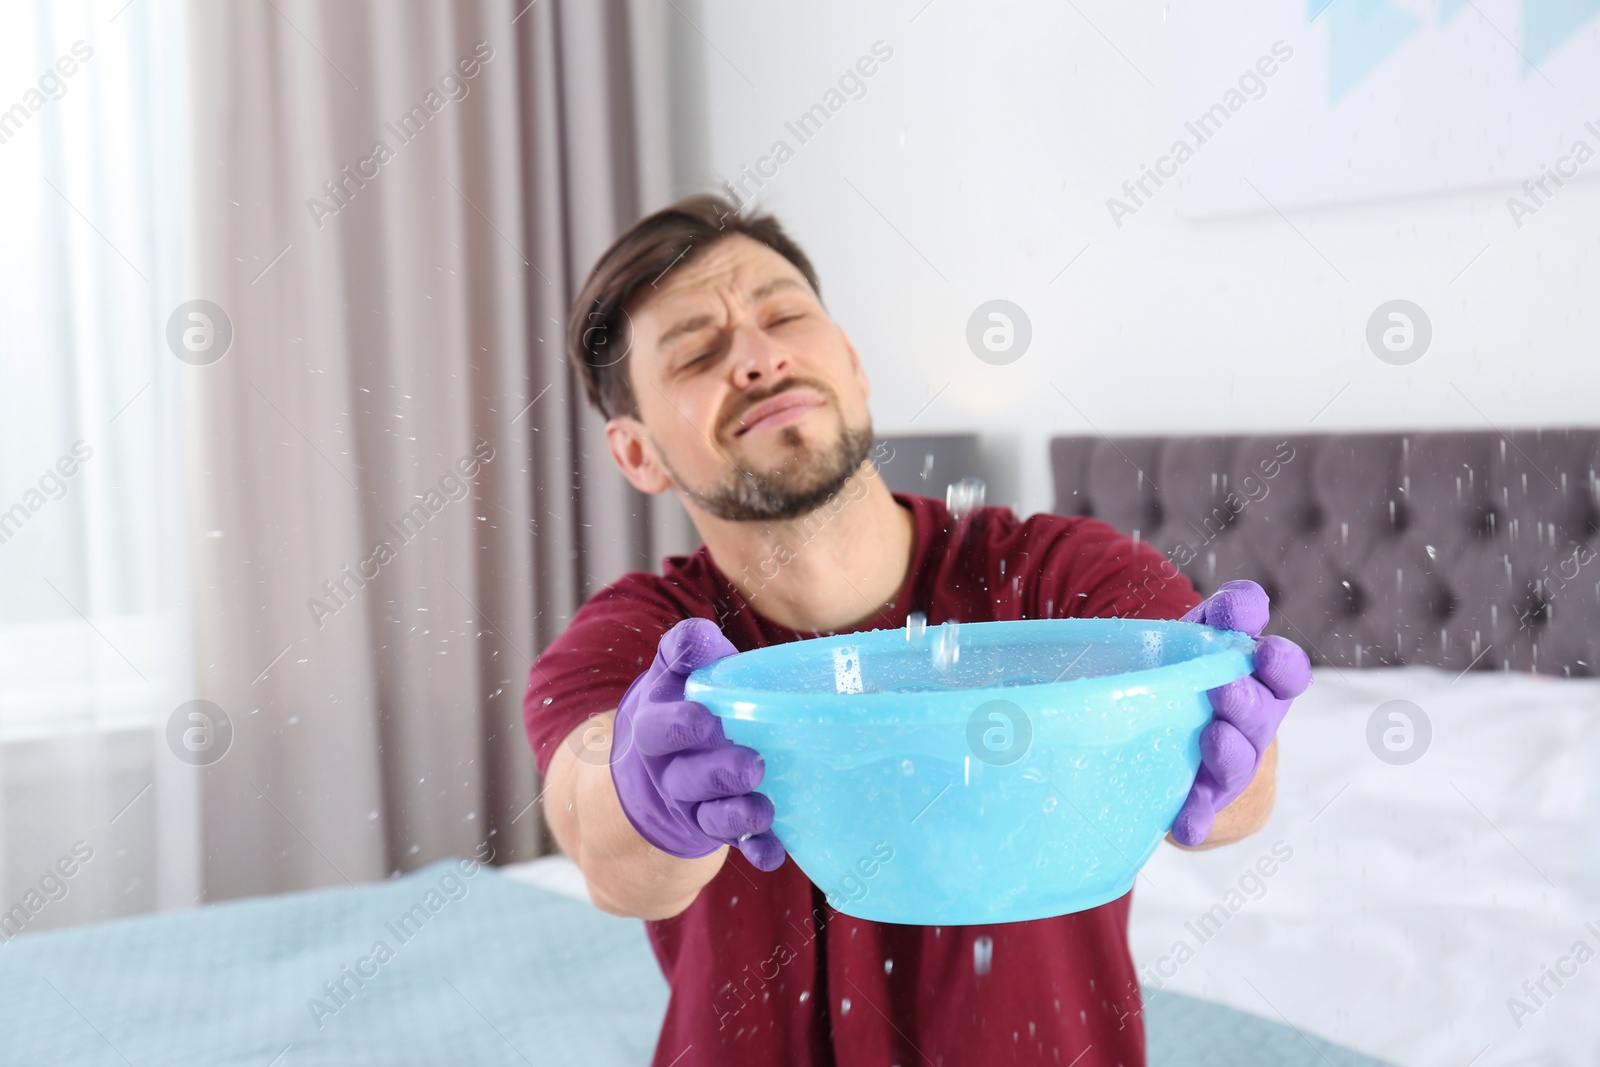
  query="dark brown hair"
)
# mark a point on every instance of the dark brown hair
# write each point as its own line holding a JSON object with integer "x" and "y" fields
{"x": 674, "y": 235}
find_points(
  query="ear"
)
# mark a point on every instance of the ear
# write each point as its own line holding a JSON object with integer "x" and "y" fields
{"x": 635, "y": 455}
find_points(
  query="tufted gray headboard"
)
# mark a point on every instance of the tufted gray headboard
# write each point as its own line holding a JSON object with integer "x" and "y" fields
{"x": 1448, "y": 548}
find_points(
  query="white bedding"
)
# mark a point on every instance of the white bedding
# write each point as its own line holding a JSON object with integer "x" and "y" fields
{"x": 1423, "y": 896}
{"x": 555, "y": 873}
{"x": 1414, "y": 899}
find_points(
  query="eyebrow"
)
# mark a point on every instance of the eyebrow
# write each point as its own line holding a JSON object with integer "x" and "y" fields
{"x": 700, "y": 322}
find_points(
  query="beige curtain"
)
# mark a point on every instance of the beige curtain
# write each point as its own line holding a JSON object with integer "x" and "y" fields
{"x": 398, "y": 494}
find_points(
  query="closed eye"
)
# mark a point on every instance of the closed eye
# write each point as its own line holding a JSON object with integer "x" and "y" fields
{"x": 697, "y": 360}
{"x": 709, "y": 347}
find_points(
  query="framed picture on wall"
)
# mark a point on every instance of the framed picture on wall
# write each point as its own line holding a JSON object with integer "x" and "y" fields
{"x": 1316, "y": 102}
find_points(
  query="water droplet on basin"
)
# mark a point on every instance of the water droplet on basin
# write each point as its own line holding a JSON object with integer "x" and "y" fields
{"x": 907, "y": 767}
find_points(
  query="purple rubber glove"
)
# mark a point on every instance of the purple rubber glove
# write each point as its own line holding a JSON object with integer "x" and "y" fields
{"x": 683, "y": 785}
{"x": 1247, "y": 712}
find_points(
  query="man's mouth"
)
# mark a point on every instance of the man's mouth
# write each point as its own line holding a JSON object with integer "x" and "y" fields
{"x": 788, "y": 406}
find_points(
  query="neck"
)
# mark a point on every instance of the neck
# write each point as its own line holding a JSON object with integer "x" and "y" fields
{"x": 833, "y": 569}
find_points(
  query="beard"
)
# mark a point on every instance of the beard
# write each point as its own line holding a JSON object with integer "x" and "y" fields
{"x": 806, "y": 478}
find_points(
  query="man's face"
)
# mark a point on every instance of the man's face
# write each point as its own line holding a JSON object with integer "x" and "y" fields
{"x": 750, "y": 397}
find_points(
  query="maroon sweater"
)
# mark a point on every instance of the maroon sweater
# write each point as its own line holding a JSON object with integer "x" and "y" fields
{"x": 761, "y": 969}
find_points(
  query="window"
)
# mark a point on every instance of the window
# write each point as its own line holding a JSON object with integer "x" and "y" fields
{"x": 94, "y": 167}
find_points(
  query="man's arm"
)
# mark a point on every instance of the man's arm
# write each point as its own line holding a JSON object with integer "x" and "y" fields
{"x": 625, "y": 874}
{"x": 1249, "y": 811}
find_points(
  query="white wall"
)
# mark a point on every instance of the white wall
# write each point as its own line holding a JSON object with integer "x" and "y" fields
{"x": 991, "y": 140}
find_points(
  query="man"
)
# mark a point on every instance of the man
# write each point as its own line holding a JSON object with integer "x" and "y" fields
{"x": 702, "y": 337}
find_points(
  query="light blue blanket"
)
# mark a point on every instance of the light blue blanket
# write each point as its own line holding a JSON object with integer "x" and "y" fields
{"x": 432, "y": 968}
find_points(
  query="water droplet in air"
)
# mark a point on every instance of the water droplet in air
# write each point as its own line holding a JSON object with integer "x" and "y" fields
{"x": 947, "y": 646}
{"x": 964, "y": 497}
{"x": 982, "y": 955}
{"x": 844, "y": 1006}
{"x": 888, "y": 966}
{"x": 916, "y": 626}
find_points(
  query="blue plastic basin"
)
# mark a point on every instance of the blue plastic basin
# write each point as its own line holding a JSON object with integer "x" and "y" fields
{"x": 991, "y": 772}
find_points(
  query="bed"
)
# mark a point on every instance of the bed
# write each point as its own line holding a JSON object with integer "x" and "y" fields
{"x": 1408, "y": 898}
{"x": 514, "y": 966}
{"x": 1441, "y": 859}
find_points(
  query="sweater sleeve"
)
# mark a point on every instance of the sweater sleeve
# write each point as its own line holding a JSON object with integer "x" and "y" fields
{"x": 611, "y": 640}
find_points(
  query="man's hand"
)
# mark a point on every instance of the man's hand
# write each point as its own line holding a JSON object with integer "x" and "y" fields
{"x": 1247, "y": 712}
{"x": 683, "y": 785}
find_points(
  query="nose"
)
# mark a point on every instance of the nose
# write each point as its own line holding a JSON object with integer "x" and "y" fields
{"x": 756, "y": 359}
